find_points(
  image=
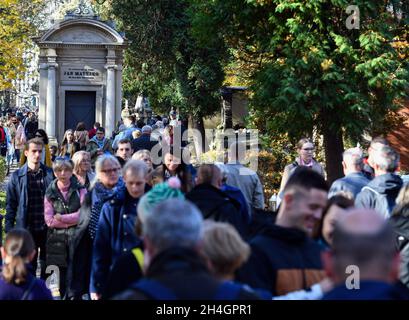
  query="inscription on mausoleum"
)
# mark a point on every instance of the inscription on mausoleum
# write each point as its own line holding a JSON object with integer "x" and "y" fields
{"x": 75, "y": 74}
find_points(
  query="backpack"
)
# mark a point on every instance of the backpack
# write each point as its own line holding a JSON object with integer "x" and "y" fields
{"x": 157, "y": 291}
{"x": 2, "y": 135}
{"x": 383, "y": 204}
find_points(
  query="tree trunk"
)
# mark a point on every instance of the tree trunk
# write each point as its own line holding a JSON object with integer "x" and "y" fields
{"x": 227, "y": 109}
{"x": 334, "y": 147}
{"x": 198, "y": 124}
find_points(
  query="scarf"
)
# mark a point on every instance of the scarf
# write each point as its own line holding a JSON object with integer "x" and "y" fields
{"x": 100, "y": 195}
{"x": 100, "y": 143}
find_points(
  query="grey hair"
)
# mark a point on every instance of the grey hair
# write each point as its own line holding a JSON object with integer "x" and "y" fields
{"x": 146, "y": 129}
{"x": 174, "y": 222}
{"x": 99, "y": 164}
{"x": 136, "y": 167}
{"x": 353, "y": 157}
{"x": 386, "y": 158}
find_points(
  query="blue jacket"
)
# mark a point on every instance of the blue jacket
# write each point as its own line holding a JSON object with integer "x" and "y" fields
{"x": 353, "y": 183}
{"x": 115, "y": 235}
{"x": 17, "y": 196}
{"x": 126, "y": 134}
{"x": 369, "y": 290}
{"x": 11, "y": 291}
{"x": 236, "y": 194}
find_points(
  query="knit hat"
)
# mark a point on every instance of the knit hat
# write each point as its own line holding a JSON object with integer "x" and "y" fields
{"x": 159, "y": 193}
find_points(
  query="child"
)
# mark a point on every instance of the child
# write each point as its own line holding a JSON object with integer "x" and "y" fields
{"x": 17, "y": 281}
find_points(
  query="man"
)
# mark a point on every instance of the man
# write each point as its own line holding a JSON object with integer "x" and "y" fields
{"x": 244, "y": 178}
{"x": 145, "y": 141}
{"x": 377, "y": 143}
{"x": 363, "y": 262}
{"x": 284, "y": 258}
{"x": 25, "y": 197}
{"x": 124, "y": 151}
{"x": 354, "y": 179}
{"x": 381, "y": 192}
{"x": 173, "y": 119}
{"x": 99, "y": 145}
{"x": 174, "y": 270}
{"x": 214, "y": 203}
{"x": 126, "y": 132}
{"x": 30, "y": 125}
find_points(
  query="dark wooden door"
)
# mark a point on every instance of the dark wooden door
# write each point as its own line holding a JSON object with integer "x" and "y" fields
{"x": 79, "y": 107}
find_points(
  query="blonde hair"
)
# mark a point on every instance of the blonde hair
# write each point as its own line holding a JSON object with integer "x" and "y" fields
{"x": 136, "y": 134}
{"x": 138, "y": 155}
{"x": 402, "y": 202}
{"x": 76, "y": 158}
{"x": 58, "y": 165}
{"x": 223, "y": 247}
{"x": 18, "y": 245}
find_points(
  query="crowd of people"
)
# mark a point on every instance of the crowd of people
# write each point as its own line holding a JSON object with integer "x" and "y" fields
{"x": 117, "y": 225}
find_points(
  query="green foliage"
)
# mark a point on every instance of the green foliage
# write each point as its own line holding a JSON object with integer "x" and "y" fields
{"x": 307, "y": 70}
{"x": 165, "y": 61}
{"x": 3, "y": 169}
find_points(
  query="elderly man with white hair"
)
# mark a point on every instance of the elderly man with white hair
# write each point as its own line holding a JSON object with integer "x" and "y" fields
{"x": 355, "y": 179}
{"x": 145, "y": 141}
{"x": 380, "y": 194}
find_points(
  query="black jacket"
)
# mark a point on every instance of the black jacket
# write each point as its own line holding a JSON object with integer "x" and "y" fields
{"x": 216, "y": 205}
{"x": 17, "y": 196}
{"x": 182, "y": 271}
{"x": 144, "y": 142}
{"x": 380, "y": 194}
{"x": 282, "y": 260}
{"x": 400, "y": 225}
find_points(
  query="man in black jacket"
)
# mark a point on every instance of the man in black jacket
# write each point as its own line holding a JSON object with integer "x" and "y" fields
{"x": 25, "y": 197}
{"x": 284, "y": 258}
{"x": 145, "y": 141}
{"x": 214, "y": 203}
{"x": 172, "y": 233}
{"x": 363, "y": 262}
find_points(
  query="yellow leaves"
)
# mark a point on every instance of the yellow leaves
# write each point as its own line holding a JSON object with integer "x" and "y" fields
{"x": 313, "y": 49}
{"x": 326, "y": 64}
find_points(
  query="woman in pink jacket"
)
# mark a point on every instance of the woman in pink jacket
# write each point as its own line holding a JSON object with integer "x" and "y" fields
{"x": 62, "y": 203}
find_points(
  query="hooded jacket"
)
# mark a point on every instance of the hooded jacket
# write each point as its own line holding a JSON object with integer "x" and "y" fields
{"x": 380, "y": 194}
{"x": 115, "y": 235}
{"x": 218, "y": 206}
{"x": 282, "y": 260}
{"x": 400, "y": 224}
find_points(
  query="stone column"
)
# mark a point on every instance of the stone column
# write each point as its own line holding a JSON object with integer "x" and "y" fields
{"x": 110, "y": 101}
{"x": 118, "y": 105}
{"x": 42, "y": 106}
{"x": 51, "y": 118}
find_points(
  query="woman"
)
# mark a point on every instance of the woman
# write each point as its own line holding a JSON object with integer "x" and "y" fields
{"x": 46, "y": 154}
{"x": 168, "y": 135}
{"x": 82, "y": 168}
{"x": 68, "y": 145}
{"x": 224, "y": 252}
{"x": 105, "y": 185}
{"x": 18, "y": 137}
{"x": 175, "y": 167}
{"x": 145, "y": 156}
{"x": 128, "y": 267}
{"x": 305, "y": 150}
{"x": 400, "y": 222}
{"x": 336, "y": 207}
{"x": 17, "y": 279}
{"x": 62, "y": 203}
{"x": 81, "y": 135}
{"x": 116, "y": 227}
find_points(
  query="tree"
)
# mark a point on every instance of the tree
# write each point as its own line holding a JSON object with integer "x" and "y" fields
{"x": 166, "y": 62}
{"x": 309, "y": 72}
{"x": 17, "y": 25}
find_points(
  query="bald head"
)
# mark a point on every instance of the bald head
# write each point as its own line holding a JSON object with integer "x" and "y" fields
{"x": 209, "y": 174}
{"x": 364, "y": 239}
{"x": 360, "y": 221}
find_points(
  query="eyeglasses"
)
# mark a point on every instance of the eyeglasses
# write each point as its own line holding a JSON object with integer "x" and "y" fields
{"x": 309, "y": 149}
{"x": 113, "y": 170}
{"x": 39, "y": 136}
